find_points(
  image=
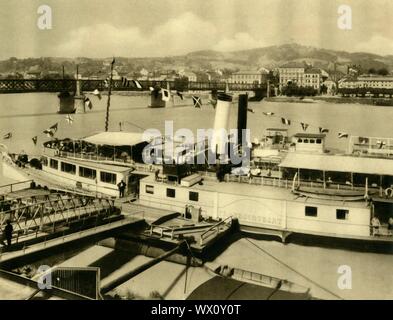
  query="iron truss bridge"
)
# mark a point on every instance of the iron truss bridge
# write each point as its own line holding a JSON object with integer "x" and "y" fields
{"x": 33, "y": 214}
{"x": 58, "y": 85}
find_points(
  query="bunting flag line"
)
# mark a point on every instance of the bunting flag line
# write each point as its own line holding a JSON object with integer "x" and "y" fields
{"x": 250, "y": 110}
{"x": 7, "y": 135}
{"x": 269, "y": 114}
{"x": 165, "y": 95}
{"x": 304, "y": 126}
{"x": 54, "y": 127}
{"x": 69, "y": 119}
{"x": 197, "y": 101}
{"x": 286, "y": 121}
{"x": 88, "y": 103}
{"x": 35, "y": 140}
{"x": 323, "y": 130}
{"x": 97, "y": 93}
{"x": 137, "y": 84}
{"x": 179, "y": 94}
{"x": 342, "y": 135}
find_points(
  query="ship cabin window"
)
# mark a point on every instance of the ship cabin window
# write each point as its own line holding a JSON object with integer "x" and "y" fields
{"x": 170, "y": 193}
{"x": 108, "y": 177}
{"x": 305, "y": 141}
{"x": 193, "y": 196}
{"x": 54, "y": 164}
{"x": 149, "y": 189}
{"x": 312, "y": 141}
{"x": 299, "y": 140}
{"x": 342, "y": 214}
{"x": 319, "y": 141}
{"x": 87, "y": 173}
{"x": 44, "y": 161}
{"x": 68, "y": 168}
{"x": 311, "y": 211}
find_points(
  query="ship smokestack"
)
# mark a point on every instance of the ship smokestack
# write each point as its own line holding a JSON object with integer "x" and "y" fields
{"x": 242, "y": 117}
{"x": 221, "y": 124}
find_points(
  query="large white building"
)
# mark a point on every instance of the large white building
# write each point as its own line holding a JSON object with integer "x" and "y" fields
{"x": 249, "y": 76}
{"x": 368, "y": 81}
{"x": 301, "y": 75}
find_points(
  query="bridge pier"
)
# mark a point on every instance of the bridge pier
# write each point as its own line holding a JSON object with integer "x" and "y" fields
{"x": 79, "y": 98}
{"x": 259, "y": 94}
{"x": 66, "y": 102}
{"x": 156, "y": 99}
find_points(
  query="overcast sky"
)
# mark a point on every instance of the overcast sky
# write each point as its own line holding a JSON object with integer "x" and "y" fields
{"x": 130, "y": 28}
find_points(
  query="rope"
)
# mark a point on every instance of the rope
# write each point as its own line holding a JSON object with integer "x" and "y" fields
{"x": 294, "y": 270}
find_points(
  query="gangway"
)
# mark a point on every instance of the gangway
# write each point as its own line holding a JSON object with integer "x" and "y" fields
{"x": 33, "y": 211}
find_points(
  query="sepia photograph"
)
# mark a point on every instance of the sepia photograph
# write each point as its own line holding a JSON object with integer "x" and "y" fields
{"x": 194, "y": 150}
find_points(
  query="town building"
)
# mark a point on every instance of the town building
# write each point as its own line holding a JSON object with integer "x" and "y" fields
{"x": 291, "y": 73}
{"x": 367, "y": 81}
{"x": 249, "y": 76}
{"x": 312, "y": 78}
{"x": 191, "y": 76}
{"x": 302, "y": 75}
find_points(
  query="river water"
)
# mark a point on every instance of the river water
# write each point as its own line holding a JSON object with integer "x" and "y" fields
{"x": 27, "y": 115}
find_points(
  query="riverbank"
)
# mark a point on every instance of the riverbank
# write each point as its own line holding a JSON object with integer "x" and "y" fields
{"x": 331, "y": 99}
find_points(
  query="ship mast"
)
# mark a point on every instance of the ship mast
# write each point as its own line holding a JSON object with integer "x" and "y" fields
{"x": 109, "y": 96}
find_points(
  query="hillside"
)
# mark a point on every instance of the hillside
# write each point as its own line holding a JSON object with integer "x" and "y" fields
{"x": 268, "y": 57}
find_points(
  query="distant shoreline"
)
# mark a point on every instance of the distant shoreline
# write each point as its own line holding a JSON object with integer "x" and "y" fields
{"x": 330, "y": 99}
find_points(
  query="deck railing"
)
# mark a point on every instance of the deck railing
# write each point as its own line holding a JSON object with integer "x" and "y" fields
{"x": 287, "y": 183}
{"x": 7, "y": 188}
{"x": 215, "y": 229}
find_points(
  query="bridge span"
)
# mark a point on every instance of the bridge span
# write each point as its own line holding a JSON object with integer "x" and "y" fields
{"x": 57, "y": 85}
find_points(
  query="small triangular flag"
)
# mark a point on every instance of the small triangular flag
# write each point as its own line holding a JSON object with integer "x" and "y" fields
{"x": 69, "y": 119}
{"x": 286, "y": 121}
{"x": 97, "y": 93}
{"x": 88, "y": 103}
{"x": 179, "y": 94}
{"x": 165, "y": 95}
{"x": 304, "y": 126}
{"x": 137, "y": 84}
{"x": 54, "y": 127}
{"x": 213, "y": 102}
{"x": 49, "y": 132}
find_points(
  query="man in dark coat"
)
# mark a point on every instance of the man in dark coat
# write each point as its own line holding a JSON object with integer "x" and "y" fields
{"x": 8, "y": 233}
{"x": 122, "y": 187}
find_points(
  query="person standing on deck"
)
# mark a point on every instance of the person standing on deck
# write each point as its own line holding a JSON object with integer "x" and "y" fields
{"x": 122, "y": 187}
{"x": 375, "y": 224}
{"x": 390, "y": 226}
{"x": 7, "y": 233}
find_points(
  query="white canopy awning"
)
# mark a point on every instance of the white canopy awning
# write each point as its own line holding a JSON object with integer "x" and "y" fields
{"x": 118, "y": 138}
{"x": 338, "y": 163}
